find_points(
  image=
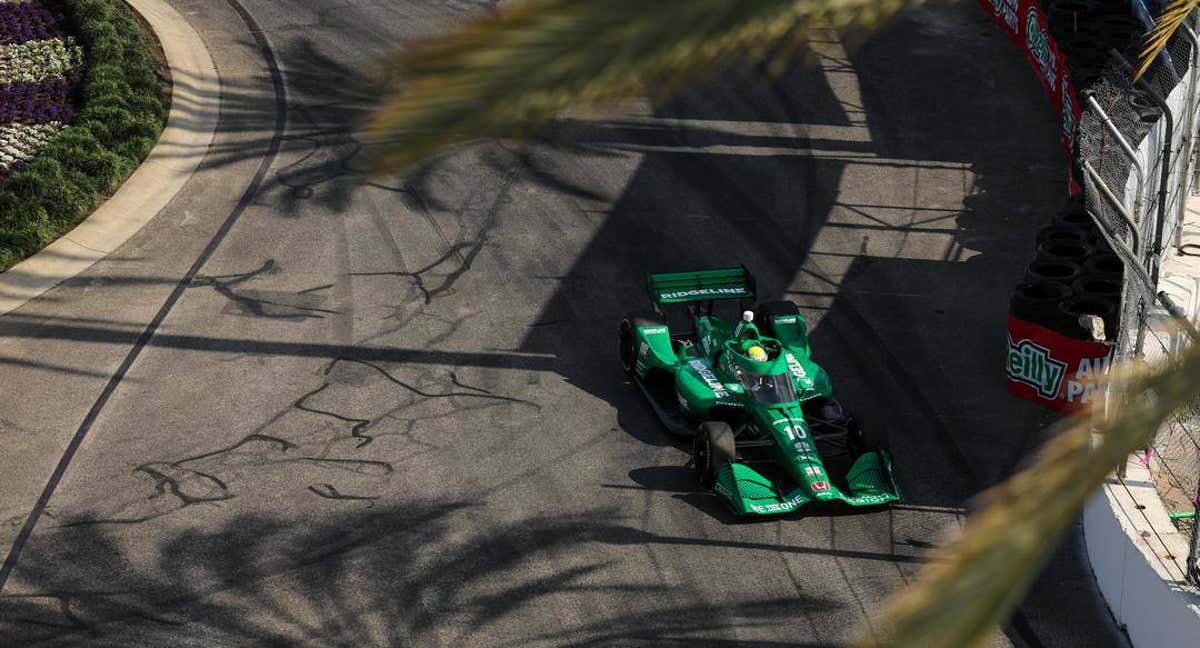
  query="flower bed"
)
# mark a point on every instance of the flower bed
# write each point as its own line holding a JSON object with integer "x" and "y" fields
{"x": 39, "y": 68}
{"x": 27, "y": 21}
{"x": 81, "y": 103}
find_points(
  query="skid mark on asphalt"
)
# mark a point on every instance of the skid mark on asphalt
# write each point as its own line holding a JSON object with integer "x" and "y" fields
{"x": 272, "y": 304}
{"x": 329, "y": 491}
{"x": 463, "y": 264}
{"x": 292, "y": 438}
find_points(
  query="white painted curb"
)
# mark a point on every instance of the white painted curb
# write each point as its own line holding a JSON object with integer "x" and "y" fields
{"x": 191, "y": 123}
{"x": 1137, "y": 556}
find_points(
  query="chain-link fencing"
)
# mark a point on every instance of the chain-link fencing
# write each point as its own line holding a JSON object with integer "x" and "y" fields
{"x": 1135, "y": 163}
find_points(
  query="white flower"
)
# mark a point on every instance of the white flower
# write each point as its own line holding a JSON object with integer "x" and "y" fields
{"x": 35, "y": 60}
{"x": 23, "y": 141}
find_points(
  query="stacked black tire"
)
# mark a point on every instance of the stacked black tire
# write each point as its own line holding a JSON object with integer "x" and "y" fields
{"x": 1074, "y": 273}
{"x": 1085, "y": 30}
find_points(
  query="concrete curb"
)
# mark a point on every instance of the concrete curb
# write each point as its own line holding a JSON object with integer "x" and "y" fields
{"x": 1137, "y": 556}
{"x": 180, "y": 148}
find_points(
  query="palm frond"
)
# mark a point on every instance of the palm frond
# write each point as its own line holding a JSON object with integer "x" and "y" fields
{"x": 1173, "y": 15}
{"x": 973, "y": 584}
{"x": 502, "y": 75}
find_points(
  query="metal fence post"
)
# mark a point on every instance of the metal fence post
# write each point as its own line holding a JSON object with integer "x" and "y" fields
{"x": 1193, "y": 568}
{"x": 1129, "y": 153}
{"x": 1189, "y": 133}
{"x": 1155, "y": 245}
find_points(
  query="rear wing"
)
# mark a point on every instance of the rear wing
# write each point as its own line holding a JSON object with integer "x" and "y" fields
{"x": 700, "y": 285}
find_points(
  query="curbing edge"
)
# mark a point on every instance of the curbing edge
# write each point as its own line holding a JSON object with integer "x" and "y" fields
{"x": 170, "y": 164}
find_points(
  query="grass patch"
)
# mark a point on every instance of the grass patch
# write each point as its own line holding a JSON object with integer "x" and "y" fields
{"x": 122, "y": 107}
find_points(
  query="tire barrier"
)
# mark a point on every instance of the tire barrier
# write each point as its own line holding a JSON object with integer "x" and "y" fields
{"x": 1064, "y": 272}
{"x": 1073, "y": 276}
{"x": 1052, "y": 351}
{"x": 1131, "y": 171}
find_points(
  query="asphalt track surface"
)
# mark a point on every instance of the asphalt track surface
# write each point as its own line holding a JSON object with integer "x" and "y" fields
{"x": 305, "y": 406}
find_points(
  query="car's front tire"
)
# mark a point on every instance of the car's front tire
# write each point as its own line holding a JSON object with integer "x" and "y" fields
{"x": 712, "y": 449}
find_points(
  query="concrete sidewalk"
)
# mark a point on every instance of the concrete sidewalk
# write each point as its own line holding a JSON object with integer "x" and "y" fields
{"x": 184, "y": 141}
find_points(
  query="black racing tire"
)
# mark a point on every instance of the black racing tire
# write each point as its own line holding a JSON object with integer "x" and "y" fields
{"x": 627, "y": 344}
{"x": 1109, "y": 265}
{"x": 1059, "y": 271}
{"x": 1062, "y": 233}
{"x": 1097, "y": 285}
{"x": 765, "y": 313}
{"x": 1038, "y": 301}
{"x": 1074, "y": 252}
{"x": 1106, "y": 308}
{"x": 713, "y": 448}
{"x": 627, "y": 338}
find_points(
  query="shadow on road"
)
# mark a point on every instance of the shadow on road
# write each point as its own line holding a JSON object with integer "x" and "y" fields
{"x": 895, "y": 204}
{"x": 368, "y": 576}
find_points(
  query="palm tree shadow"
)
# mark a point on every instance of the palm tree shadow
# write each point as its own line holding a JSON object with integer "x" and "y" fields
{"x": 383, "y": 576}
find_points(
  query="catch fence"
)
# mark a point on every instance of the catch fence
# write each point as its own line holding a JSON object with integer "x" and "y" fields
{"x": 1136, "y": 165}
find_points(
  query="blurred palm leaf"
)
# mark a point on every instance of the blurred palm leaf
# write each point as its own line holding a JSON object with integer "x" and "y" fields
{"x": 503, "y": 75}
{"x": 973, "y": 584}
{"x": 1168, "y": 22}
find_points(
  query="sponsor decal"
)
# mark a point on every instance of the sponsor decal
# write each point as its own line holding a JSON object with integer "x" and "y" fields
{"x": 870, "y": 499}
{"x": 1006, "y": 12}
{"x": 1024, "y": 24}
{"x": 1052, "y": 369}
{"x": 820, "y": 486}
{"x": 643, "y": 349}
{"x": 704, "y": 292}
{"x": 706, "y": 374}
{"x": 654, "y": 330}
{"x": 797, "y": 500}
{"x": 812, "y": 471}
{"x": 781, "y": 507}
{"x": 793, "y": 431}
{"x": 798, "y": 372}
{"x": 1038, "y": 43}
{"x": 1068, "y": 111}
{"x": 1030, "y": 363}
{"x": 720, "y": 489}
{"x": 802, "y": 446}
{"x": 790, "y": 319}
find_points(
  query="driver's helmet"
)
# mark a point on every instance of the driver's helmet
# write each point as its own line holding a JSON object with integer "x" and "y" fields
{"x": 757, "y": 353}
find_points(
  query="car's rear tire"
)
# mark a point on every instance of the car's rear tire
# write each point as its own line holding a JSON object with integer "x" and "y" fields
{"x": 627, "y": 342}
{"x": 627, "y": 338}
{"x": 765, "y": 314}
{"x": 712, "y": 449}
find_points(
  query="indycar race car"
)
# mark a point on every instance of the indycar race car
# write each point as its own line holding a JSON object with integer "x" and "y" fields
{"x": 749, "y": 393}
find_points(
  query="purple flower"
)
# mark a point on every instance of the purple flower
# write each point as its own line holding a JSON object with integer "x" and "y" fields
{"x": 26, "y": 21}
{"x": 37, "y": 102}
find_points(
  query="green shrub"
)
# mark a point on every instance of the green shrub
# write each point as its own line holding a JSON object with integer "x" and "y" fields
{"x": 121, "y": 115}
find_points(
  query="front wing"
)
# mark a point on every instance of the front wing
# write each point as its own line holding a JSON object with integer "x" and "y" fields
{"x": 871, "y": 482}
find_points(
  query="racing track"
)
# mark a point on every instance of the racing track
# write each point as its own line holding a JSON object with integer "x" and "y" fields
{"x": 388, "y": 412}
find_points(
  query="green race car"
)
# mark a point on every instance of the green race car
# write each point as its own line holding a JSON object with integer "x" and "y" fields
{"x": 749, "y": 393}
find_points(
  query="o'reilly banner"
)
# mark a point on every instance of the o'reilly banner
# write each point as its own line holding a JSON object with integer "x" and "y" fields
{"x": 1049, "y": 368}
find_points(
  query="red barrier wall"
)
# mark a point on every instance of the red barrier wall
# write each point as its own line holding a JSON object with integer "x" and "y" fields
{"x": 1025, "y": 24}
